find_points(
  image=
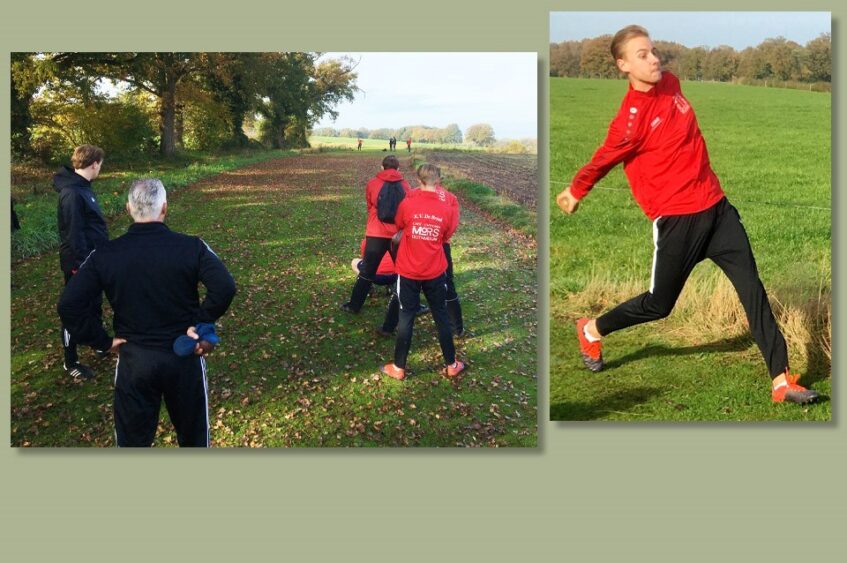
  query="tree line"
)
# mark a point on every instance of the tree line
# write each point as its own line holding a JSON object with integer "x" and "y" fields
{"x": 772, "y": 62}
{"x": 480, "y": 134}
{"x": 163, "y": 102}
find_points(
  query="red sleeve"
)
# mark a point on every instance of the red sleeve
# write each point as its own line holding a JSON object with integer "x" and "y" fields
{"x": 368, "y": 195}
{"x": 454, "y": 206}
{"x": 452, "y": 224}
{"x": 400, "y": 216}
{"x": 619, "y": 145}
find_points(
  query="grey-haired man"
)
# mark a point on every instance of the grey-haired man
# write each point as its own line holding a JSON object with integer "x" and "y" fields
{"x": 150, "y": 276}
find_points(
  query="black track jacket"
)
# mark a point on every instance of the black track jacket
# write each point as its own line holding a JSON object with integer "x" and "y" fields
{"x": 150, "y": 277}
{"x": 82, "y": 227}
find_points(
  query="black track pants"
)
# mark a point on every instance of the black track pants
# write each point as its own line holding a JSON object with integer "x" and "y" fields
{"x": 375, "y": 249}
{"x": 143, "y": 377}
{"x": 69, "y": 344}
{"x": 681, "y": 241}
{"x": 409, "y": 295}
{"x": 454, "y": 309}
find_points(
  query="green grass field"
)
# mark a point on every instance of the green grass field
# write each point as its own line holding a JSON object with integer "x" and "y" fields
{"x": 293, "y": 370}
{"x": 771, "y": 150}
{"x": 36, "y": 199}
{"x": 380, "y": 144}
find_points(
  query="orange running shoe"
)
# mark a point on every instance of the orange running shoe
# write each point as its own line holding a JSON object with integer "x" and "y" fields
{"x": 393, "y": 371}
{"x": 790, "y": 392}
{"x": 454, "y": 370}
{"x": 592, "y": 352}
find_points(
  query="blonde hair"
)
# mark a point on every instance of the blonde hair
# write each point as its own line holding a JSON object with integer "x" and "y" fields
{"x": 624, "y": 35}
{"x": 429, "y": 174}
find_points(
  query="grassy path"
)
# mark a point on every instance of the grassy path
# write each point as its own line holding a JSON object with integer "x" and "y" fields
{"x": 293, "y": 370}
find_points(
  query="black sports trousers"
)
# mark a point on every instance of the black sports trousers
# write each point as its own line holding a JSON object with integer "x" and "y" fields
{"x": 143, "y": 377}
{"x": 454, "y": 309}
{"x": 69, "y": 343}
{"x": 682, "y": 241}
{"x": 409, "y": 295}
{"x": 375, "y": 249}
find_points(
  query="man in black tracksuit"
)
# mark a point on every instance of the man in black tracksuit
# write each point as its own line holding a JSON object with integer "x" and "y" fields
{"x": 82, "y": 228}
{"x": 150, "y": 277}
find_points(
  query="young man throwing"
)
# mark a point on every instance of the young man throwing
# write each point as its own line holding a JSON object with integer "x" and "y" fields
{"x": 656, "y": 136}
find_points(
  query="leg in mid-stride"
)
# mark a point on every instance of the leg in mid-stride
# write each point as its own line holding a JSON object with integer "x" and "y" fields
{"x": 681, "y": 242}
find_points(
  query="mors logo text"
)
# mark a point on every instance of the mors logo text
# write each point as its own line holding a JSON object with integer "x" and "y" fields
{"x": 427, "y": 232}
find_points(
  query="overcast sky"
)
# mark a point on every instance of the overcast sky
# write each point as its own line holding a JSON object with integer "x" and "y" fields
{"x": 437, "y": 89}
{"x": 693, "y": 29}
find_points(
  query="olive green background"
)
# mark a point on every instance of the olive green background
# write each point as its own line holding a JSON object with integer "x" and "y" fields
{"x": 590, "y": 492}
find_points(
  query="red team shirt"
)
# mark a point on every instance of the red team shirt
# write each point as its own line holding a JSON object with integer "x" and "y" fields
{"x": 427, "y": 221}
{"x": 656, "y": 137}
{"x": 375, "y": 227}
{"x": 453, "y": 202}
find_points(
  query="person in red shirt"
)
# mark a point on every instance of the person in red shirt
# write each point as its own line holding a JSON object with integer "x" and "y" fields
{"x": 359, "y": 144}
{"x": 409, "y": 144}
{"x": 656, "y": 137}
{"x": 377, "y": 234}
{"x": 454, "y": 309}
{"x": 426, "y": 220}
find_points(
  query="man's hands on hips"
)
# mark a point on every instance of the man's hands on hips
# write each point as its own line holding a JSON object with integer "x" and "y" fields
{"x": 202, "y": 348}
{"x": 116, "y": 345}
{"x": 567, "y": 201}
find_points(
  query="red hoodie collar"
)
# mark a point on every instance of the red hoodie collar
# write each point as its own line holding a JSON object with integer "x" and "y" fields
{"x": 390, "y": 175}
{"x": 654, "y": 91}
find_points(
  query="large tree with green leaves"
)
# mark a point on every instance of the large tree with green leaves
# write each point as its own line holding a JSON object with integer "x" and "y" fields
{"x": 234, "y": 80}
{"x": 24, "y": 84}
{"x": 298, "y": 91}
{"x": 159, "y": 74}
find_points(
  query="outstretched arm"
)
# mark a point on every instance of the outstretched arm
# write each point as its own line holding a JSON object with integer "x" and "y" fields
{"x": 620, "y": 145}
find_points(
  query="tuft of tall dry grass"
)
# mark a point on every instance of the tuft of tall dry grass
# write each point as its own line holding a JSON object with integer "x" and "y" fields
{"x": 709, "y": 309}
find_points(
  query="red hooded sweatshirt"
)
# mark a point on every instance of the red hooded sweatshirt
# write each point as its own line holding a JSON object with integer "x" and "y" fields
{"x": 375, "y": 227}
{"x": 426, "y": 221}
{"x": 656, "y": 137}
{"x": 453, "y": 202}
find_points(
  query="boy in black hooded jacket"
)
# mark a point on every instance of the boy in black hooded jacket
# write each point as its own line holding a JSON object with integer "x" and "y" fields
{"x": 82, "y": 227}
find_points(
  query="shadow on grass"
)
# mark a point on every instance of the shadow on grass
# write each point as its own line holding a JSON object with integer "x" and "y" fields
{"x": 735, "y": 344}
{"x": 818, "y": 363}
{"x": 620, "y": 401}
